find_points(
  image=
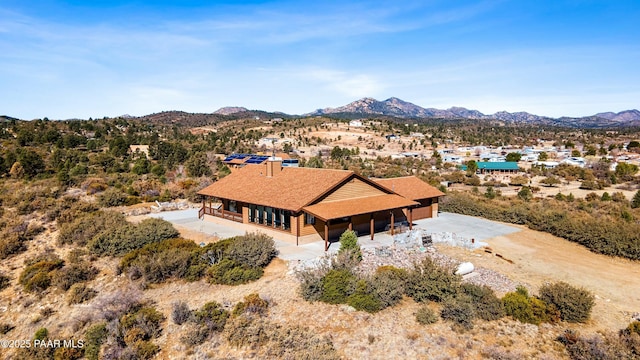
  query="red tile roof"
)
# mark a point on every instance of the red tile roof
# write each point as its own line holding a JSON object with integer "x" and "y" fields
{"x": 410, "y": 187}
{"x": 350, "y": 207}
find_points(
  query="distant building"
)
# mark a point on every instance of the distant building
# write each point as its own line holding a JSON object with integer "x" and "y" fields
{"x": 485, "y": 167}
{"x": 575, "y": 161}
{"x": 453, "y": 159}
{"x": 240, "y": 160}
{"x": 355, "y": 123}
{"x": 547, "y": 164}
{"x": 143, "y": 149}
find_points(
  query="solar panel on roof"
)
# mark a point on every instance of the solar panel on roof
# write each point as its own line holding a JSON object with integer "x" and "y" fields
{"x": 228, "y": 158}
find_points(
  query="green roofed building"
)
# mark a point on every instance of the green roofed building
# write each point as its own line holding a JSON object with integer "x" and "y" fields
{"x": 487, "y": 167}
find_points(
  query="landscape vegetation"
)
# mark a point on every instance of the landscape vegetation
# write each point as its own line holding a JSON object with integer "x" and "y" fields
{"x": 77, "y": 265}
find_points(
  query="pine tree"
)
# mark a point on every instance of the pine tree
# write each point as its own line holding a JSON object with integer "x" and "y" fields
{"x": 635, "y": 202}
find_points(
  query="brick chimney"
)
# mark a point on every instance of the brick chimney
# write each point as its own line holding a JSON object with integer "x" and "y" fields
{"x": 274, "y": 166}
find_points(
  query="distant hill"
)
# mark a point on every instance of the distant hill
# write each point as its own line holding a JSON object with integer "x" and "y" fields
{"x": 394, "y": 108}
{"x": 228, "y": 110}
{"x": 403, "y": 109}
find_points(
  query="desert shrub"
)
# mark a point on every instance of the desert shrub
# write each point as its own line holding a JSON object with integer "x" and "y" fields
{"x": 337, "y": 286}
{"x": 298, "y": 343}
{"x": 487, "y": 305}
{"x": 517, "y": 305}
{"x": 120, "y": 240}
{"x": 428, "y": 281}
{"x": 11, "y": 244}
{"x": 618, "y": 197}
{"x": 5, "y": 281}
{"x": 147, "y": 319}
{"x": 363, "y": 297}
{"x": 253, "y": 304}
{"x": 36, "y": 275}
{"x": 634, "y": 327}
{"x": 252, "y": 249}
{"x": 349, "y": 244}
{"x": 499, "y": 353}
{"x": 278, "y": 341}
{"x": 195, "y": 335}
{"x": 180, "y": 312}
{"x": 112, "y": 306}
{"x": 34, "y": 352}
{"x": 389, "y": 285}
{"x": 112, "y": 197}
{"x": 426, "y": 316}
{"x": 172, "y": 258}
{"x": 79, "y": 293}
{"x": 210, "y": 318}
{"x": 144, "y": 350}
{"x": 82, "y": 229}
{"x": 230, "y": 272}
{"x": 77, "y": 256}
{"x": 71, "y": 274}
{"x": 242, "y": 331}
{"x": 574, "y": 304}
{"x": 67, "y": 353}
{"x": 527, "y": 309}
{"x": 607, "y": 346}
{"x": 94, "y": 337}
{"x": 460, "y": 312}
{"x": 155, "y": 230}
{"x": 68, "y": 209}
{"x": 212, "y": 315}
{"x": 311, "y": 283}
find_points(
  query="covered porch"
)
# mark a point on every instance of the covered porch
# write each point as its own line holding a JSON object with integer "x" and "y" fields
{"x": 363, "y": 215}
{"x": 222, "y": 208}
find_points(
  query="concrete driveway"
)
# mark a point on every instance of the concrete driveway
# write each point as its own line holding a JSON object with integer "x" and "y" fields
{"x": 465, "y": 226}
{"x": 461, "y": 225}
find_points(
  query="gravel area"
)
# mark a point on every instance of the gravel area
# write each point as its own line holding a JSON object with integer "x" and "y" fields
{"x": 403, "y": 257}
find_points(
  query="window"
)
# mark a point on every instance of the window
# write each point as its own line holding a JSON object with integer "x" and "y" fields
{"x": 252, "y": 213}
{"x": 259, "y": 214}
{"x": 309, "y": 219}
{"x": 269, "y": 216}
{"x": 233, "y": 206}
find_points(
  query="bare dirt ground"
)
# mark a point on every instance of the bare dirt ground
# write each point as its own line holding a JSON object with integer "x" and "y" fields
{"x": 540, "y": 257}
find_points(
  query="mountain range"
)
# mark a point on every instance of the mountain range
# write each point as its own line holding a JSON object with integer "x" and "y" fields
{"x": 403, "y": 109}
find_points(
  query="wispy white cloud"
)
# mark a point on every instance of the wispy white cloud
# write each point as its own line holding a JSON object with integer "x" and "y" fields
{"x": 349, "y": 84}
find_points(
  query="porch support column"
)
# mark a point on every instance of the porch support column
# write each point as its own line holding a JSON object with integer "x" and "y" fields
{"x": 410, "y": 219}
{"x": 326, "y": 235}
{"x": 371, "y": 226}
{"x": 392, "y": 222}
{"x": 350, "y": 223}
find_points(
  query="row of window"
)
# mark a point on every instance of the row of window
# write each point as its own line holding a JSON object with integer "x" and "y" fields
{"x": 272, "y": 217}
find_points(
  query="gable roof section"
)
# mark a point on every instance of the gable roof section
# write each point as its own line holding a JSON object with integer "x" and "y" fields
{"x": 410, "y": 187}
{"x": 290, "y": 188}
{"x": 350, "y": 207}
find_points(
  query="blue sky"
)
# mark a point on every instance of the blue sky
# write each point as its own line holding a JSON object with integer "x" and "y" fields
{"x": 81, "y": 59}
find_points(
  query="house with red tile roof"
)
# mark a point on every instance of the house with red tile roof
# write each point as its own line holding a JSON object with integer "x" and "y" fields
{"x": 316, "y": 204}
